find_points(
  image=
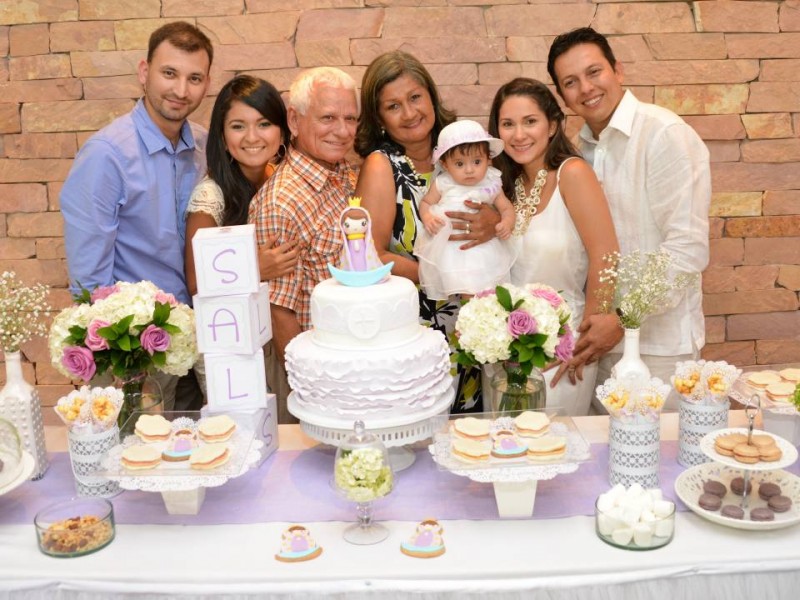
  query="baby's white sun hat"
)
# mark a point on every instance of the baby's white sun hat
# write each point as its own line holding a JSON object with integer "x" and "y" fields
{"x": 465, "y": 132}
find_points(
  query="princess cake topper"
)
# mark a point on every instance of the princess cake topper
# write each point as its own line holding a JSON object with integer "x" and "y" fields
{"x": 359, "y": 264}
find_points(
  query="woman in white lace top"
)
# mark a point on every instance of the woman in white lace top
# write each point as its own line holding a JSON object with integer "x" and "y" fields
{"x": 247, "y": 137}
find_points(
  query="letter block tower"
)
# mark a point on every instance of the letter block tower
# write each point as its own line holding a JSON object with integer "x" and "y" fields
{"x": 232, "y": 315}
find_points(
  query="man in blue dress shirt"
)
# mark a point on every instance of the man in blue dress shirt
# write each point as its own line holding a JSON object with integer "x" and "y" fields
{"x": 124, "y": 200}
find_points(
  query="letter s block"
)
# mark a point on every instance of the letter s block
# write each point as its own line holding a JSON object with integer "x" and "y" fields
{"x": 238, "y": 324}
{"x": 226, "y": 260}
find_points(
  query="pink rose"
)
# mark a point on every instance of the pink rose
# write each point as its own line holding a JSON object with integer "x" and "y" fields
{"x": 79, "y": 362}
{"x": 94, "y": 341}
{"x": 103, "y": 292}
{"x": 551, "y": 296}
{"x": 566, "y": 345}
{"x": 484, "y": 293}
{"x": 520, "y": 322}
{"x": 154, "y": 339}
{"x": 166, "y": 298}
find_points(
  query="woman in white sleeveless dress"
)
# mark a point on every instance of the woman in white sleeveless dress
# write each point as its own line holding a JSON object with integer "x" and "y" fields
{"x": 563, "y": 226}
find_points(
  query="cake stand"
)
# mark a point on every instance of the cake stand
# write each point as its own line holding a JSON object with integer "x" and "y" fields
{"x": 514, "y": 481}
{"x": 394, "y": 432}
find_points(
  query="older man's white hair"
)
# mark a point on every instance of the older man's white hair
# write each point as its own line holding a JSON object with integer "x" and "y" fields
{"x": 303, "y": 86}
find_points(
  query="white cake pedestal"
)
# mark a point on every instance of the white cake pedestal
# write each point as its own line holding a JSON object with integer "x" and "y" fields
{"x": 395, "y": 433}
{"x": 515, "y": 499}
{"x": 184, "y": 502}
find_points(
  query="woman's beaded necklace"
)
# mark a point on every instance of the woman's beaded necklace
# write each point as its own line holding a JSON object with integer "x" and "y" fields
{"x": 526, "y": 205}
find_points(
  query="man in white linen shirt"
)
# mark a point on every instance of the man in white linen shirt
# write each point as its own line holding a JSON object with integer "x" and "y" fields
{"x": 655, "y": 173}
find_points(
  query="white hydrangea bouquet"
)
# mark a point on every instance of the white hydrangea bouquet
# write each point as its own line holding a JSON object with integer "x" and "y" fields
{"x": 638, "y": 284}
{"x": 126, "y": 328}
{"x": 633, "y": 401}
{"x": 527, "y": 325}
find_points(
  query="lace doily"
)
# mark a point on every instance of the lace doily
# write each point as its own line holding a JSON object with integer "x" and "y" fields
{"x": 513, "y": 470}
{"x": 179, "y": 476}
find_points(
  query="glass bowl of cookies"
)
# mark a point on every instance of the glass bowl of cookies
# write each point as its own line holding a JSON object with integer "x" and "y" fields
{"x": 75, "y": 527}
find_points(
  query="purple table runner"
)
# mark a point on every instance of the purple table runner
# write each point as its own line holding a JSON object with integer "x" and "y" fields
{"x": 295, "y": 486}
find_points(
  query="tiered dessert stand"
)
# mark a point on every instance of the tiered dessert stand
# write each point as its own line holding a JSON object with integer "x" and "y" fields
{"x": 395, "y": 433}
{"x": 689, "y": 484}
{"x": 514, "y": 481}
{"x": 182, "y": 488}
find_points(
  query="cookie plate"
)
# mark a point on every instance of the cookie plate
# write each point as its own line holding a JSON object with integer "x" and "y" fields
{"x": 689, "y": 486}
{"x": 788, "y": 458}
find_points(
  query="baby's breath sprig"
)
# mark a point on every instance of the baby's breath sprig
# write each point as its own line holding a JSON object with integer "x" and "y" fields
{"x": 21, "y": 311}
{"x": 636, "y": 285}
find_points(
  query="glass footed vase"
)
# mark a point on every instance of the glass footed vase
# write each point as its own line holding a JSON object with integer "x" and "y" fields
{"x": 141, "y": 393}
{"x": 362, "y": 474}
{"x": 513, "y": 390}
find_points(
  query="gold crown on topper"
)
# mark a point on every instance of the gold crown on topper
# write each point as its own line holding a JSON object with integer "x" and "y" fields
{"x": 354, "y": 202}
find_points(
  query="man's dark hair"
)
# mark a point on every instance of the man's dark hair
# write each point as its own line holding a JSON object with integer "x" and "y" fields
{"x": 183, "y": 36}
{"x": 567, "y": 41}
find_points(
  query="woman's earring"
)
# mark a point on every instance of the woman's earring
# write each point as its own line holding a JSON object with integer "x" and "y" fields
{"x": 383, "y": 132}
{"x": 281, "y": 151}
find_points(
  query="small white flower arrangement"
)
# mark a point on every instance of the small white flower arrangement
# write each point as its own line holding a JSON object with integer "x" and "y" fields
{"x": 21, "y": 310}
{"x": 362, "y": 475}
{"x": 637, "y": 285}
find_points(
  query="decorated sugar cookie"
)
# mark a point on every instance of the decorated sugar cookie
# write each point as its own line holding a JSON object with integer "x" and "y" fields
{"x": 297, "y": 545}
{"x": 426, "y": 542}
{"x": 181, "y": 445}
{"x": 507, "y": 445}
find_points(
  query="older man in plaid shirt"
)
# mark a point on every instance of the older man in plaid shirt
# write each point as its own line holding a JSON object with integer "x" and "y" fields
{"x": 303, "y": 201}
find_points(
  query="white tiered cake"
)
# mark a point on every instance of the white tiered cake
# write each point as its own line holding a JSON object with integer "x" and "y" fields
{"x": 367, "y": 356}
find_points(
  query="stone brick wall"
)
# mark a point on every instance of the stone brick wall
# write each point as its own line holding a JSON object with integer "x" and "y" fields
{"x": 732, "y": 69}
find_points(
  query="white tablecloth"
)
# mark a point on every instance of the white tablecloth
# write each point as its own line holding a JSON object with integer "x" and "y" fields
{"x": 558, "y": 558}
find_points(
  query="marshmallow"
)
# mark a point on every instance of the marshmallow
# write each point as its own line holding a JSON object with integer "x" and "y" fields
{"x": 656, "y": 494}
{"x": 663, "y": 508}
{"x": 616, "y": 492}
{"x": 631, "y": 514}
{"x": 647, "y": 517}
{"x": 605, "y": 502}
{"x": 664, "y": 528}
{"x": 622, "y": 536}
{"x": 606, "y": 525}
{"x": 643, "y": 535}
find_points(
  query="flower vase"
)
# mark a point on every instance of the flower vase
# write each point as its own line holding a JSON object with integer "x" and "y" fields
{"x": 634, "y": 452}
{"x": 141, "y": 393}
{"x": 631, "y": 367}
{"x": 19, "y": 403}
{"x": 513, "y": 390}
{"x": 86, "y": 452}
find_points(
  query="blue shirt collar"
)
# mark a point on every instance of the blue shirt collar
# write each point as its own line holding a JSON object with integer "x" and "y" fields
{"x": 154, "y": 140}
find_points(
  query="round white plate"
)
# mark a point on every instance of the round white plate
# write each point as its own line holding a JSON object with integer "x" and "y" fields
{"x": 28, "y": 465}
{"x": 689, "y": 486}
{"x": 788, "y": 458}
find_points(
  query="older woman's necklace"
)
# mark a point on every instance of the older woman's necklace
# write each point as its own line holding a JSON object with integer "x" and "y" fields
{"x": 526, "y": 205}
{"x": 410, "y": 163}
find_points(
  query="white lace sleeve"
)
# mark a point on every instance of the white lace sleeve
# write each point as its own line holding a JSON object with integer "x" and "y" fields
{"x": 207, "y": 198}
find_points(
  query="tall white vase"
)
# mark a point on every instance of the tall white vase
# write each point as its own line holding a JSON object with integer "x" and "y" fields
{"x": 631, "y": 367}
{"x": 19, "y": 403}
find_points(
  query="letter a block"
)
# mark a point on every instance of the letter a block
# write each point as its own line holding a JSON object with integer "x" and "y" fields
{"x": 236, "y": 381}
{"x": 237, "y": 324}
{"x": 225, "y": 260}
